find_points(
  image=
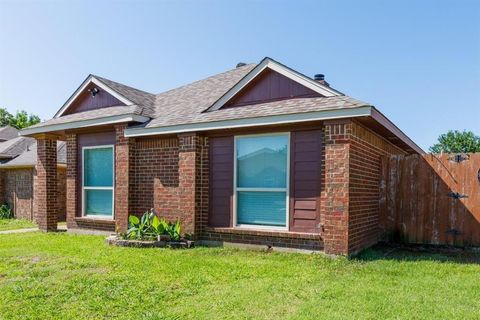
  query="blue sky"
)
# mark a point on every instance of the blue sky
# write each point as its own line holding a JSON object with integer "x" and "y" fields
{"x": 417, "y": 61}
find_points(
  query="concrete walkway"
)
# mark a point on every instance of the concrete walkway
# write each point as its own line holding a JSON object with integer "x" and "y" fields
{"x": 19, "y": 231}
{"x": 62, "y": 228}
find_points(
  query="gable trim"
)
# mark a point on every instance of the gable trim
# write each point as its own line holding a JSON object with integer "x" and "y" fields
{"x": 283, "y": 70}
{"x": 90, "y": 79}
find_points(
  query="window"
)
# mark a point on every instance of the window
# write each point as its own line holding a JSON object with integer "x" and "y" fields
{"x": 261, "y": 180}
{"x": 98, "y": 166}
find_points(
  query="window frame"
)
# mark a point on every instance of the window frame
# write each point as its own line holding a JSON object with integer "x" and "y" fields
{"x": 286, "y": 189}
{"x": 84, "y": 188}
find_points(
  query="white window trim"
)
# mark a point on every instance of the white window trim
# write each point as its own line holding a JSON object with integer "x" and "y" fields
{"x": 100, "y": 217}
{"x": 286, "y": 189}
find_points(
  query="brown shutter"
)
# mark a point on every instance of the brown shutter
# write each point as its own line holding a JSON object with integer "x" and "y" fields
{"x": 305, "y": 176}
{"x": 221, "y": 182}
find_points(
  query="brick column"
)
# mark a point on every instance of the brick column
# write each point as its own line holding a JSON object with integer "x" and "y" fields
{"x": 124, "y": 172}
{"x": 188, "y": 144}
{"x": 336, "y": 193}
{"x": 72, "y": 183}
{"x": 2, "y": 187}
{"x": 46, "y": 184}
{"x": 202, "y": 185}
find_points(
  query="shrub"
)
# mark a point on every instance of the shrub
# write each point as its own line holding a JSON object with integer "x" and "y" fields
{"x": 149, "y": 226}
{"x": 6, "y": 212}
{"x": 172, "y": 229}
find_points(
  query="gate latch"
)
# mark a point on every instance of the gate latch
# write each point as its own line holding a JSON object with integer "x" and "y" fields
{"x": 456, "y": 195}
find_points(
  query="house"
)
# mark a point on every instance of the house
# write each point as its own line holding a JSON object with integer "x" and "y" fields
{"x": 260, "y": 154}
{"x": 7, "y": 133}
{"x": 18, "y": 158}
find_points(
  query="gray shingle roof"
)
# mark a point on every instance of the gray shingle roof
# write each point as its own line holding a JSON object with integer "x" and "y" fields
{"x": 7, "y": 133}
{"x": 187, "y": 104}
{"x": 29, "y": 157}
{"x": 290, "y": 106}
{"x": 192, "y": 99}
{"x": 92, "y": 114}
{"x": 15, "y": 146}
{"x": 141, "y": 98}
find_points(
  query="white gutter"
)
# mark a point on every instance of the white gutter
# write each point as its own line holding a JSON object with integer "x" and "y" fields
{"x": 252, "y": 122}
{"x": 84, "y": 123}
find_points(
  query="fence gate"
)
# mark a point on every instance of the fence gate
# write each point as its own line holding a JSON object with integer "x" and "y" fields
{"x": 431, "y": 199}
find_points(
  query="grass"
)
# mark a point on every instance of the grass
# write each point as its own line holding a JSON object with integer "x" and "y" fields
{"x": 64, "y": 276}
{"x": 13, "y": 224}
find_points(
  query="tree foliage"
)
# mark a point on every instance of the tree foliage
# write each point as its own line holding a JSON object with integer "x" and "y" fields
{"x": 457, "y": 142}
{"x": 20, "y": 120}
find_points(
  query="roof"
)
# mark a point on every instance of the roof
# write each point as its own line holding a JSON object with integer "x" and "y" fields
{"x": 29, "y": 157}
{"x": 282, "y": 107}
{"x": 15, "y": 146}
{"x": 141, "y": 98}
{"x": 8, "y": 132}
{"x": 197, "y": 106}
{"x": 133, "y": 110}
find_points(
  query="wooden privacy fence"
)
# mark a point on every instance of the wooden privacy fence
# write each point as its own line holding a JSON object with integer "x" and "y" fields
{"x": 429, "y": 199}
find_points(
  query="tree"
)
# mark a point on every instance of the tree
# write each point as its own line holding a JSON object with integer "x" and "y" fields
{"x": 20, "y": 120}
{"x": 457, "y": 142}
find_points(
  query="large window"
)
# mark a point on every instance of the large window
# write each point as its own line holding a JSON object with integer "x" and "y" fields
{"x": 261, "y": 180}
{"x": 98, "y": 181}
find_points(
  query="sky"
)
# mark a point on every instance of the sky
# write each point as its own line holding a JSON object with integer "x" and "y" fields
{"x": 418, "y": 62}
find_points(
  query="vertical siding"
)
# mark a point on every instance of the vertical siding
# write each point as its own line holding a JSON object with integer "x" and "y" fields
{"x": 86, "y": 102}
{"x": 305, "y": 180}
{"x": 221, "y": 182}
{"x": 271, "y": 86}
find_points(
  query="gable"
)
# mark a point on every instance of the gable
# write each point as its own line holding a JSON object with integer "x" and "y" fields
{"x": 85, "y": 101}
{"x": 288, "y": 90}
{"x": 268, "y": 86}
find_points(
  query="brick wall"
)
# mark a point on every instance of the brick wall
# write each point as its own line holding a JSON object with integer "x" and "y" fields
{"x": 71, "y": 180}
{"x": 19, "y": 192}
{"x": 124, "y": 176}
{"x": 165, "y": 174}
{"x": 202, "y": 185}
{"x": 156, "y": 177}
{"x": 45, "y": 187}
{"x": 366, "y": 150}
{"x": 335, "y": 189}
{"x": 62, "y": 193}
{"x": 351, "y": 192}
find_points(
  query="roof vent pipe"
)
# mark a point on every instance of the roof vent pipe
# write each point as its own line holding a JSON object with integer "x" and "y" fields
{"x": 320, "y": 78}
{"x": 241, "y": 64}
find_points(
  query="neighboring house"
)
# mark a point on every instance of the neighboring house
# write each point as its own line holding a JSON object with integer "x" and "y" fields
{"x": 260, "y": 154}
{"x": 18, "y": 157}
{"x": 7, "y": 133}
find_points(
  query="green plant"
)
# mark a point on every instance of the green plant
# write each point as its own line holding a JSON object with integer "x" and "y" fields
{"x": 173, "y": 229}
{"x": 144, "y": 228}
{"x": 6, "y": 212}
{"x": 149, "y": 226}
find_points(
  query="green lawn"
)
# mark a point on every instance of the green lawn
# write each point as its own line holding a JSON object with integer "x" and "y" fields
{"x": 12, "y": 224}
{"x": 63, "y": 276}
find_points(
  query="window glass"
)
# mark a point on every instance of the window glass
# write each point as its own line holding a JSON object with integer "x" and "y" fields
{"x": 98, "y": 167}
{"x": 98, "y": 202}
{"x": 98, "y": 181}
{"x": 262, "y": 162}
{"x": 261, "y": 208}
{"x": 261, "y": 188}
